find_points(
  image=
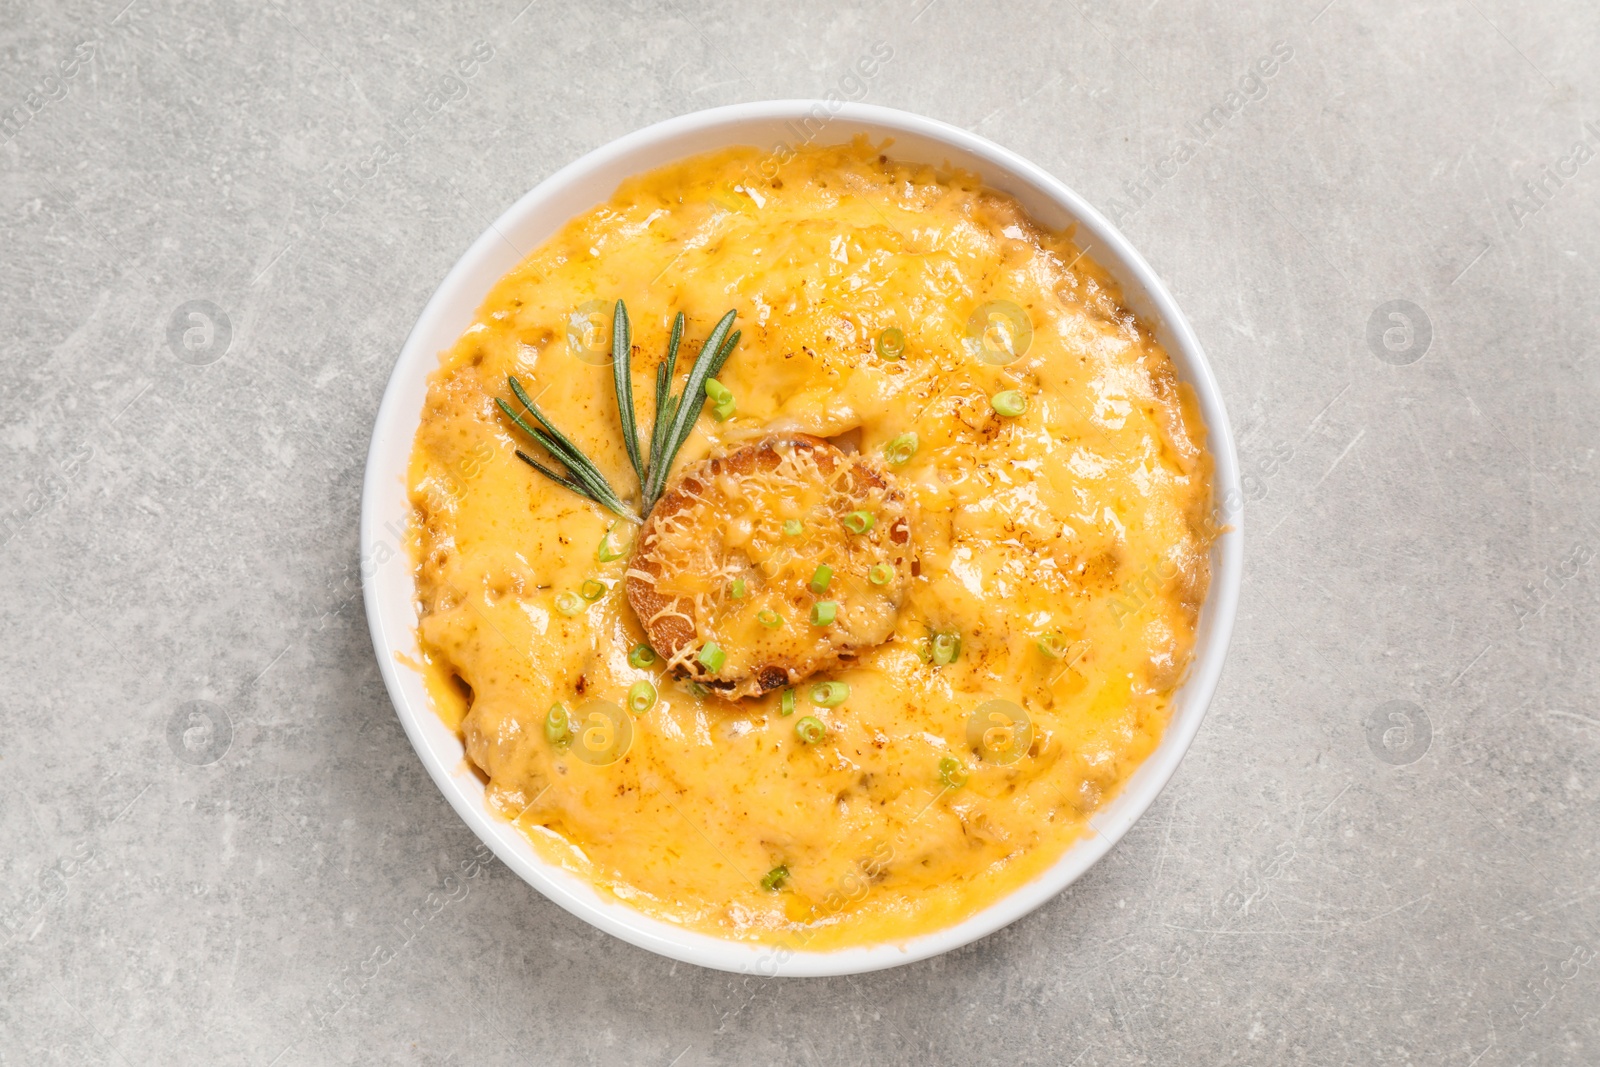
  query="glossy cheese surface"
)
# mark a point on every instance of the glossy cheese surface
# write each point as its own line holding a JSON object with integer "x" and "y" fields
{"x": 1058, "y": 556}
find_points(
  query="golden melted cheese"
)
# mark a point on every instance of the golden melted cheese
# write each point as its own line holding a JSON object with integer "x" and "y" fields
{"x": 1081, "y": 522}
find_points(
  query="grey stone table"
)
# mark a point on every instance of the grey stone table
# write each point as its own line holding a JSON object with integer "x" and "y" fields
{"x": 220, "y": 221}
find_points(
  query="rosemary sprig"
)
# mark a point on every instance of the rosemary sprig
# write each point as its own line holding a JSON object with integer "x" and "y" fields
{"x": 584, "y": 477}
{"x": 674, "y": 416}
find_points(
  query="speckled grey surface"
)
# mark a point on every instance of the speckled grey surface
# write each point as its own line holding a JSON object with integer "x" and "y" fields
{"x": 216, "y": 844}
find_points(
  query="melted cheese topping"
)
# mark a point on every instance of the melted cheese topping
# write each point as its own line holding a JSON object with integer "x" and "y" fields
{"x": 1066, "y": 547}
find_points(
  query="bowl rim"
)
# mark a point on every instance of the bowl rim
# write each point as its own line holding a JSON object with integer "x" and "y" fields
{"x": 392, "y": 616}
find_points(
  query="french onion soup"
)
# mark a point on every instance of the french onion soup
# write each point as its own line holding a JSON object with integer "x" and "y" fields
{"x": 807, "y": 546}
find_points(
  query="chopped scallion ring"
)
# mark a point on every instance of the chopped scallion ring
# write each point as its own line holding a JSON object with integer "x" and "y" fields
{"x": 738, "y": 590}
{"x": 891, "y": 343}
{"x": 711, "y": 657}
{"x": 786, "y": 704}
{"x": 1009, "y": 403}
{"x": 946, "y": 648}
{"x": 859, "y": 522}
{"x": 641, "y": 697}
{"x": 770, "y": 619}
{"x": 606, "y": 553}
{"x": 820, "y": 579}
{"x": 952, "y": 773}
{"x": 830, "y": 694}
{"x": 569, "y": 603}
{"x": 823, "y": 612}
{"x": 792, "y": 528}
{"x": 880, "y": 574}
{"x": 641, "y": 656}
{"x": 558, "y": 726}
{"x": 810, "y": 730}
{"x": 721, "y": 400}
{"x": 900, "y": 449}
{"x": 775, "y": 878}
{"x": 592, "y": 589}
{"x": 1052, "y": 645}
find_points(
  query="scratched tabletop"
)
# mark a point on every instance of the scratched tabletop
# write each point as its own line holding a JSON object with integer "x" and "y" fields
{"x": 219, "y": 223}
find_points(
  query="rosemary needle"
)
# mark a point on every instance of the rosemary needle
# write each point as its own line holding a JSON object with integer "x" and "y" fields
{"x": 579, "y": 467}
{"x": 622, "y": 378}
{"x": 687, "y": 406}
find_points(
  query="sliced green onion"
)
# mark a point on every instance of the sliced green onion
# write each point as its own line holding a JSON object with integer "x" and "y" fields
{"x": 605, "y": 553}
{"x": 859, "y": 522}
{"x": 558, "y": 726}
{"x": 697, "y": 689}
{"x": 830, "y": 694}
{"x": 820, "y": 579}
{"x": 786, "y": 704}
{"x": 712, "y": 658}
{"x": 592, "y": 589}
{"x": 1009, "y": 403}
{"x": 775, "y": 878}
{"x": 946, "y": 648}
{"x": 880, "y": 574}
{"x": 891, "y": 343}
{"x": 810, "y": 730}
{"x": 641, "y": 697}
{"x": 641, "y": 656}
{"x": 721, "y": 400}
{"x": 823, "y": 612}
{"x": 737, "y": 590}
{"x": 1052, "y": 645}
{"x": 770, "y": 619}
{"x": 900, "y": 449}
{"x": 952, "y": 773}
{"x": 792, "y": 528}
{"x": 569, "y": 603}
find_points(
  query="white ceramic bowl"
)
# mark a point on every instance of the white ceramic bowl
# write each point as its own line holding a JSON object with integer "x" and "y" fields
{"x": 387, "y": 570}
